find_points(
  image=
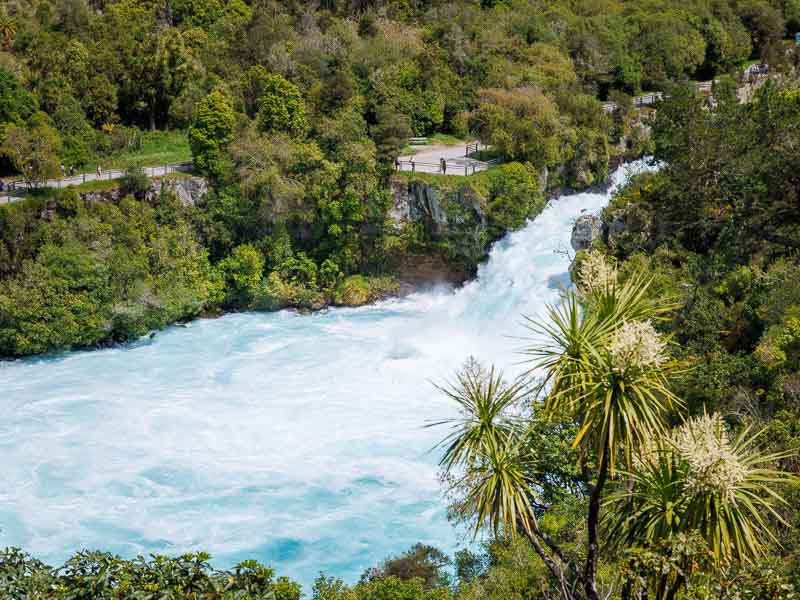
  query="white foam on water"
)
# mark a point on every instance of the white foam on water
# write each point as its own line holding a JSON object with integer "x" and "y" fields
{"x": 295, "y": 440}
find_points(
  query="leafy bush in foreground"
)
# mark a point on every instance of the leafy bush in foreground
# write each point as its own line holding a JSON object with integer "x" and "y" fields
{"x": 101, "y": 575}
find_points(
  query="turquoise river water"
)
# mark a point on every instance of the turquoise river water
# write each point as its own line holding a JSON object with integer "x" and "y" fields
{"x": 298, "y": 440}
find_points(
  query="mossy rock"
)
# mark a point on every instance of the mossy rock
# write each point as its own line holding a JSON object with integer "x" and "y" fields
{"x": 277, "y": 294}
{"x": 358, "y": 290}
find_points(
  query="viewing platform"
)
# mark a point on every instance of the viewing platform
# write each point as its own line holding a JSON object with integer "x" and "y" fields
{"x": 443, "y": 160}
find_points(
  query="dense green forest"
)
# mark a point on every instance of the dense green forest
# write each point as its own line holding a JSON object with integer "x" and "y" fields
{"x": 658, "y": 457}
{"x": 296, "y": 113}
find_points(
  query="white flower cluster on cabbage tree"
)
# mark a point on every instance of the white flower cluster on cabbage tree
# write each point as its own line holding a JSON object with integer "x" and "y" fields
{"x": 637, "y": 345}
{"x": 595, "y": 273}
{"x": 714, "y": 467}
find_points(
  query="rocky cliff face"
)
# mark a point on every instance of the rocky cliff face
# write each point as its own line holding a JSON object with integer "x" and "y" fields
{"x": 448, "y": 223}
{"x": 441, "y": 211}
{"x": 453, "y": 214}
{"x": 190, "y": 191}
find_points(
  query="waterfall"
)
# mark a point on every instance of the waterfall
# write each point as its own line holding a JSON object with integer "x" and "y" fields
{"x": 296, "y": 440}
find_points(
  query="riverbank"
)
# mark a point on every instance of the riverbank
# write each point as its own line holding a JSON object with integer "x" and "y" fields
{"x": 121, "y": 268}
{"x": 295, "y": 440}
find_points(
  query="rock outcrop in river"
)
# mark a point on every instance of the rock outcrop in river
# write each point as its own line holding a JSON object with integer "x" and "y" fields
{"x": 586, "y": 230}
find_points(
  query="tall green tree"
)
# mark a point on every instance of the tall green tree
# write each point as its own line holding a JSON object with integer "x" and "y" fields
{"x": 281, "y": 107}
{"x": 33, "y": 152}
{"x": 211, "y": 131}
{"x": 17, "y": 105}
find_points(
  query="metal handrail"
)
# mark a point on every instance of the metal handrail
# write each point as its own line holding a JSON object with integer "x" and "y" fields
{"x": 450, "y": 166}
{"x": 23, "y": 186}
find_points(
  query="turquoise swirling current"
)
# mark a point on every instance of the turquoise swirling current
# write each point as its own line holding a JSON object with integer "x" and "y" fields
{"x": 298, "y": 440}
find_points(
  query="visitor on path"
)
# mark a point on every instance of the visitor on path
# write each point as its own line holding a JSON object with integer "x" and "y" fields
{"x": 63, "y": 171}
{"x": 99, "y": 172}
{"x": 71, "y": 170}
{"x": 444, "y": 166}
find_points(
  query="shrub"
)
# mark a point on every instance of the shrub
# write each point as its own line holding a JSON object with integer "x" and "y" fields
{"x": 135, "y": 182}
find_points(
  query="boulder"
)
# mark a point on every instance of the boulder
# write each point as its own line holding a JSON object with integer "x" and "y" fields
{"x": 586, "y": 230}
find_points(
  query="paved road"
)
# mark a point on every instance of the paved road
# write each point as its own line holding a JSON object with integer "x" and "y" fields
{"x": 20, "y": 188}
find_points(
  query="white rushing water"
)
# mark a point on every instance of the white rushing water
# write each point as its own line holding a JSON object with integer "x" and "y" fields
{"x": 295, "y": 440}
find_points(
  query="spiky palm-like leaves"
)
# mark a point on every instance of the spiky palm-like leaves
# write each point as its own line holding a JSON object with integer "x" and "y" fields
{"x": 482, "y": 450}
{"x": 485, "y": 458}
{"x": 652, "y": 509}
{"x": 701, "y": 480}
{"x": 604, "y": 365}
{"x": 500, "y": 491}
{"x": 732, "y": 493}
{"x": 483, "y": 399}
{"x": 616, "y": 406}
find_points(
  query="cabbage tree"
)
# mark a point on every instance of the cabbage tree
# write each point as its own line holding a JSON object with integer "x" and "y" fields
{"x": 602, "y": 365}
{"x": 700, "y": 479}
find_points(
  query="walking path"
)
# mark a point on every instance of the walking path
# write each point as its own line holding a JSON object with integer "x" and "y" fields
{"x": 15, "y": 190}
{"x": 438, "y": 158}
{"x": 755, "y": 76}
{"x": 443, "y": 160}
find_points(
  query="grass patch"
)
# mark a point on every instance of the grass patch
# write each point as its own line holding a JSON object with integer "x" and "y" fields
{"x": 174, "y": 175}
{"x": 158, "y": 148}
{"x": 486, "y": 154}
{"x": 428, "y": 177}
{"x": 446, "y": 139}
